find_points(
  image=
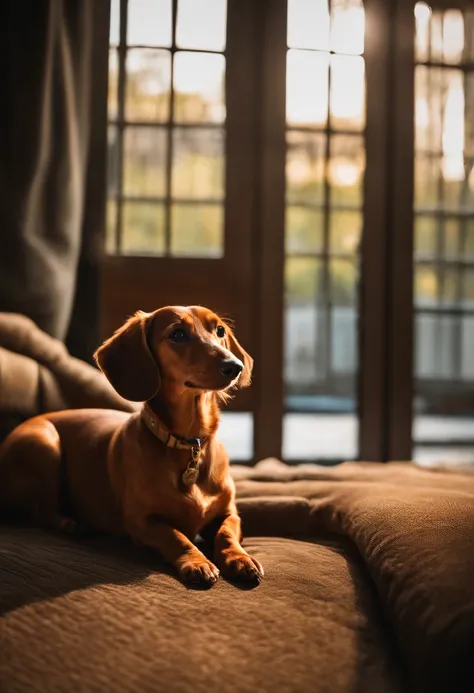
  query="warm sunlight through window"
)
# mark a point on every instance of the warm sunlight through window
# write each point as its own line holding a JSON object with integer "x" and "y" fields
{"x": 325, "y": 166}
{"x": 444, "y": 229}
{"x": 167, "y": 113}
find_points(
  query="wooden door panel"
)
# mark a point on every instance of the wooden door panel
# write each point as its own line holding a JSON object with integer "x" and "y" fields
{"x": 131, "y": 284}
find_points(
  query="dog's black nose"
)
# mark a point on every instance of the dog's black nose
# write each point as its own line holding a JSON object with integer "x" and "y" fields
{"x": 231, "y": 368}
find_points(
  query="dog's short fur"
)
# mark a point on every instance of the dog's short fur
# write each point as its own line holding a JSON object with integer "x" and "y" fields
{"x": 119, "y": 477}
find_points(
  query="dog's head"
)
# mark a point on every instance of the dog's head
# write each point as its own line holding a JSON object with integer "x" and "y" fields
{"x": 190, "y": 347}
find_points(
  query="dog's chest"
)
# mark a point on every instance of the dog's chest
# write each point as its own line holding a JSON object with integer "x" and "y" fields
{"x": 196, "y": 508}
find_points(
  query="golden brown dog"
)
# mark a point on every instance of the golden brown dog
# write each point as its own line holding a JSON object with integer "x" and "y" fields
{"x": 159, "y": 475}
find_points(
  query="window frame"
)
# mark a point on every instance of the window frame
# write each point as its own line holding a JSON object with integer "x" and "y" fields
{"x": 255, "y": 226}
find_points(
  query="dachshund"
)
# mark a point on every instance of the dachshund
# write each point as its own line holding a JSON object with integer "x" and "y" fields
{"x": 160, "y": 475}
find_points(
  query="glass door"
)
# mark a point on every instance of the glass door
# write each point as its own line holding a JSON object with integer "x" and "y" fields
{"x": 325, "y": 171}
{"x": 443, "y": 406}
{"x": 261, "y": 163}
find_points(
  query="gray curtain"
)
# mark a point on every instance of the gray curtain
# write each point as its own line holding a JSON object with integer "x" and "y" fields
{"x": 53, "y": 72}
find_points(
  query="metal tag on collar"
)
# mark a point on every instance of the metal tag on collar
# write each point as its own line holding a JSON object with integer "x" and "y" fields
{"x": 191, "y": 473}
{"x": 190, "y": 476}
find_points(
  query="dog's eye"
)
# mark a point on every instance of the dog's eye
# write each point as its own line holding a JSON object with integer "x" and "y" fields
{"x": 179, "y": 335}
{"x": 220, "y": 331}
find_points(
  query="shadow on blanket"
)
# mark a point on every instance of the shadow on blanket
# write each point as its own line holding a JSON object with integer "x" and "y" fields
{"x": 369, "y": 580}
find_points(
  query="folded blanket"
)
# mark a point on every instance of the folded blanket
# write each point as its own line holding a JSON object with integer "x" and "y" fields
{"x": 414, "y": 530}
{"x": 37, "y": 374}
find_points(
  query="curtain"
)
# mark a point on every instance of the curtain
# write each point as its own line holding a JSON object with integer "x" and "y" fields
{"x": 53, "y": 72}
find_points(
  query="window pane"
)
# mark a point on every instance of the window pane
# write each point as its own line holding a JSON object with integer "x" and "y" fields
{"x": 425, "y": 345}
{"x": 440, "y": 124}
{"x": 112, "y": 161}
{"x": 305, "y": 167}
{"x": 469, "y": 240}
{"x": 236, "y": 433}
{"x": 439, "y": 36}
{"x": 427, "y": 175}
{"x": 199, "y": 82}
{"x": 428, "y": 109}
{"x": 468, "y": 293}
{"x": 347, "y": 97}
{"x": 302, "y": 280}
{"x": 347, "y": 26}
{"x": 197, "y": 230}
{"x": 453, "y": 188}
{"x": 453, "y": 37}
{"x": 143, "y": 229}
{"x": 450, "y": 286}
{"x": 304, "y": 229}
{"x": 148, "y": 85}
{"x": 346, "y": 170}
{"x": 198, "y": 163}
{"x": 451, "y": 237}
{"x": 436, "y": 356}
{"x": 114, "y": 32}
{"x": 322, "y": 436}
{"x": 426, "y": 456}
{"x": 345, "y": 230}
{"x": 429, "y": 428}
{"x": 112, "y": 99}
{"x": 426, "y": 235}
{"x": 307, "y": 88}
{"x": 110, "y": 228}
{"x": 343, "y": 283}
{"x": 436, "y": 30}
{"x": 145, "y": 161}
{"x": 344, "y": 351}
{"x": 202, "y": 24}
{"x": 308, "y": 24}
{"x": 469, "y": 29}
{"x": 149, "y": 23}
{"x": 426, "y": 286}
{"x": 301, "y": 329}
{"x": 422, "y": 41}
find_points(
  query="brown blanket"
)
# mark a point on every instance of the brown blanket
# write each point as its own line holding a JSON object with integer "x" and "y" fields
{"x": 37, "y": 374}
{"x": 369, "y": 587}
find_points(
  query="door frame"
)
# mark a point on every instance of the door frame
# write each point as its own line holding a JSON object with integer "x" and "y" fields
{"x": 255, "y": 227}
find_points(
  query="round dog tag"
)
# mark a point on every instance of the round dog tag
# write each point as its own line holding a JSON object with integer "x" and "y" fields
{"x": 190, "y": 476}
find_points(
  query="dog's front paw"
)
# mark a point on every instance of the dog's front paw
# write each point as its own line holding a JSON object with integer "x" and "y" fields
{"x": 240, "y": 567}
{"x": 197, "y": 571}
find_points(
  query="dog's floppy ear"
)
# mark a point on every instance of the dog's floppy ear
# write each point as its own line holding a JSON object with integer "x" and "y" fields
{"x": 127, "y": 362}
{"x": 234, "y": 346}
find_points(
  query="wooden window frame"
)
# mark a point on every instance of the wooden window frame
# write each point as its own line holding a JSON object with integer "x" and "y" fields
{"x": 255, "y": 212}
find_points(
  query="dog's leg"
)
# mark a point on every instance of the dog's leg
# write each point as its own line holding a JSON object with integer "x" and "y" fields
{"x": 232, "y": 560}
{"x": 30, "y": 471}
{"x": 192, "y": 566}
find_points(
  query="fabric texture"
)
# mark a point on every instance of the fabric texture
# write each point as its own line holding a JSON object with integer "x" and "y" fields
{"x": 37, "y": 374}
{"x": 369, "y": 587}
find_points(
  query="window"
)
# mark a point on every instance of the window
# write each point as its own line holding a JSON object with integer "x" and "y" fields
{"x": 167, "y": 116}
{"x": 325, "y": 165}
{"x": 305, "y": 167}
{"x": 443, "y": 422}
